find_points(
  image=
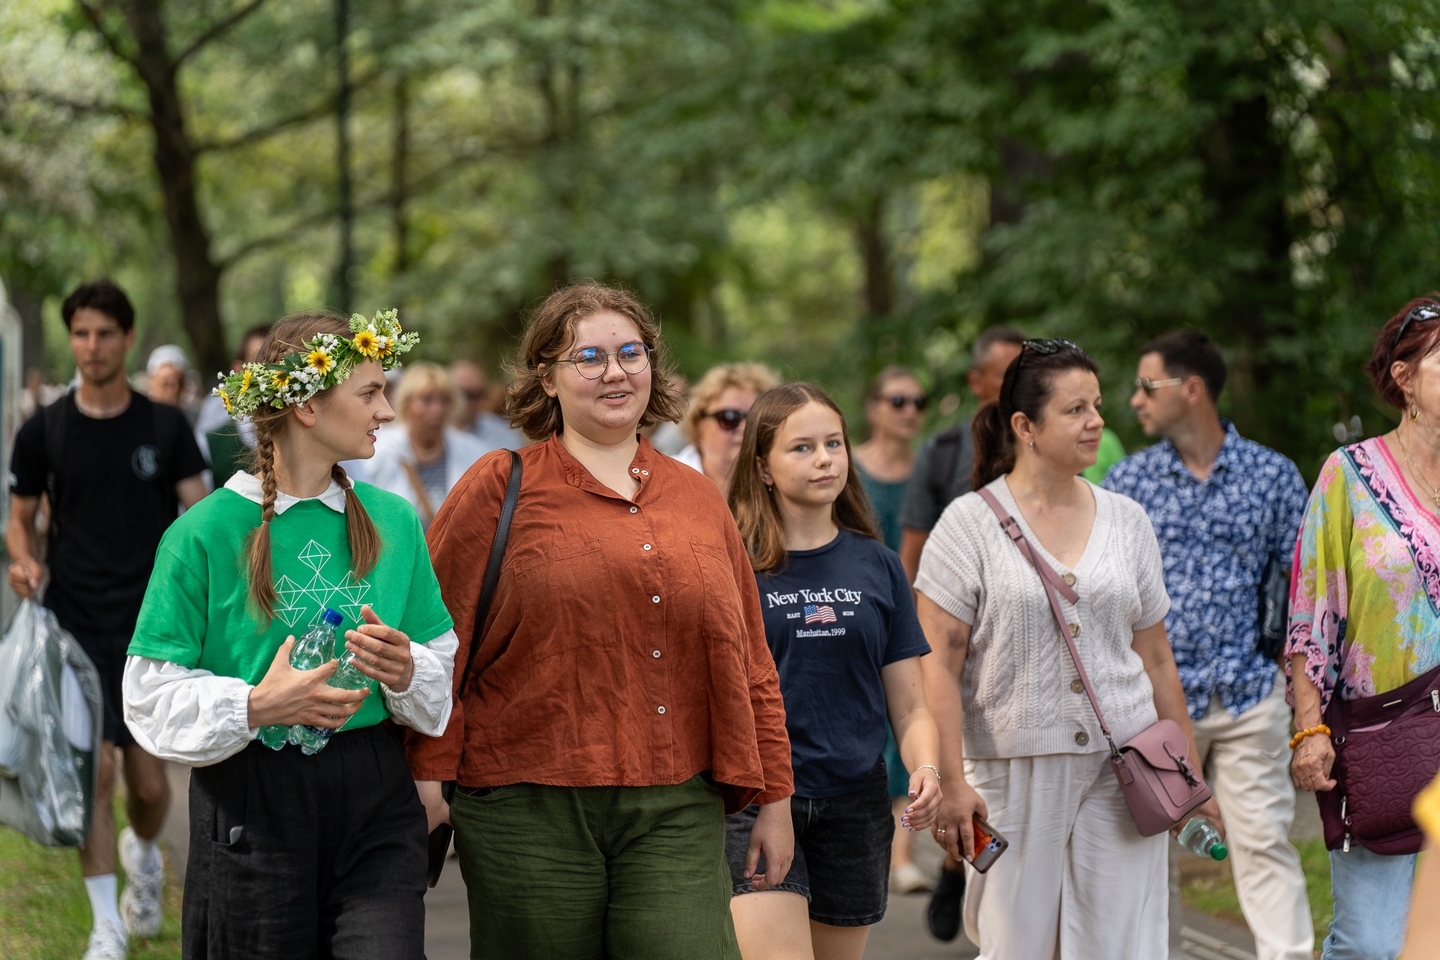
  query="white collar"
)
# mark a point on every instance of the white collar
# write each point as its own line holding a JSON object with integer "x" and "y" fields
{"x": 248, "y": 486}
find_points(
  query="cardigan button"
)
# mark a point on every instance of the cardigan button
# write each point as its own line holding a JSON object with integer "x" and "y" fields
{"x": 1069, "y": 579}
{"x": 1074, "y": 629}
{"x": 1077, "y": 685}
{"x": 1082, "y": 738}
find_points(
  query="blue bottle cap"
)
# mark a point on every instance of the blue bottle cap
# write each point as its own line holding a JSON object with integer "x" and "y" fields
{"x": 333, "y": 618}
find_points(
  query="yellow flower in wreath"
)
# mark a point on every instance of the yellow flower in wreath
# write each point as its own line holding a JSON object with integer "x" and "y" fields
{"x": 367, "y": 344}
{"x": 320, "y": 361}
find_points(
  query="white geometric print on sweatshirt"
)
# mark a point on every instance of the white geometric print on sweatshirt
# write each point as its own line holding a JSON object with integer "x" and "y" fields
{"x": 297, "y": 601}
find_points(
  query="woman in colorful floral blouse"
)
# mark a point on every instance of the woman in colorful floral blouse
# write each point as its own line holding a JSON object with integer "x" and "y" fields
{"x": 1364, "y": 618}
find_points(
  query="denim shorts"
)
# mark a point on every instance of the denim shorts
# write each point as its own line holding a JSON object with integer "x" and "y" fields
{"x": 842, "y": 853}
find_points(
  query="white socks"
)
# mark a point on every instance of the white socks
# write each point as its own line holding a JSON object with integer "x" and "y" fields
{"x": 105, "y": 900}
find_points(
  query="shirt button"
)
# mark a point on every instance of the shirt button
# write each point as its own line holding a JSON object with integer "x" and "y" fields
{"x": 647, "y": 546}
{"x": 1077, "y": 685}
{"x": 660, "y": 709}
{"x": 656, "y": 654}
{"x": 634, "y": 469}
{"x": 1205, "y": 595}
{"x": 634, "y": 509}
{"x": 644, "y": 473}
{"x": 1081, "y": 738}
{"x": 655, "y": 599}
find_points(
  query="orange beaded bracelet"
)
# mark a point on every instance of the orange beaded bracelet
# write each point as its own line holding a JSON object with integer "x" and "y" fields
{"x": 1308, "y": 732}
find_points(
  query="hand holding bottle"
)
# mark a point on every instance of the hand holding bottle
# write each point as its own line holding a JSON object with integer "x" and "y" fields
{"x": 287, "y": 696}
{"x": 381, "y": 653}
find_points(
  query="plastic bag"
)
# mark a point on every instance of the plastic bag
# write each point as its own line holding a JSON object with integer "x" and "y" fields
{"x": 50, "y": 730}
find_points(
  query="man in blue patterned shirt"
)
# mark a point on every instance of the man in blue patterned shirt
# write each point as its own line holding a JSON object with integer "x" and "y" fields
{"x": 1222, "y": 506}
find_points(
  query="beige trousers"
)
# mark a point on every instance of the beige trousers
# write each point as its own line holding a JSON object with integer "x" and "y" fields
{"x": 1078, "y": 881}
{"x": 1247, "y": 764}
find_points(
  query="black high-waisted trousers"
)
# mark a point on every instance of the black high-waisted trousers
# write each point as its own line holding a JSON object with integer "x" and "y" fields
{"x": 307, "y": 858}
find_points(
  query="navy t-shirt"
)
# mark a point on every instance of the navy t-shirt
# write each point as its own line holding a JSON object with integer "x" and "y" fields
{"x": 833, "y": 617}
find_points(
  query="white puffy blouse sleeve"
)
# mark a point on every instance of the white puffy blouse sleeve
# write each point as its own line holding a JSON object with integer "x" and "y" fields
{"x": 425, "y": 704}
{"x": 183, "y": 714}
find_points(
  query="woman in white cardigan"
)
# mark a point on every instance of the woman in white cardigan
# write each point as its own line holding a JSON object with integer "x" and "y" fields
{"x": 422, "y": 457}
{"x": 1078, "y": 879}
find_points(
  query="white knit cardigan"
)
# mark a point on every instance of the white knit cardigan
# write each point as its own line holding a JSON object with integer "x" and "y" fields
{"x": 1020, "y": 690}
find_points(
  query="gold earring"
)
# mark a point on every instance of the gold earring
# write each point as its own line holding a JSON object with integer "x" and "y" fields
{"x": 1414, "y": 413}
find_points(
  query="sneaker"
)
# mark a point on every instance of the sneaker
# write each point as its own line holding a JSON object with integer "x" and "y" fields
{"x": 107, "y": 942}
{"x": 943, "y": 916}
{"x": 909, "y": 878}
{"x": 141, "y": 905}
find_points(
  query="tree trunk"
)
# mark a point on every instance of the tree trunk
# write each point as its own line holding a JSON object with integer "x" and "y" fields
{"x": 399, "y": 173}
{"x": 197, "y": 276}
{"x": 875, "y": 254}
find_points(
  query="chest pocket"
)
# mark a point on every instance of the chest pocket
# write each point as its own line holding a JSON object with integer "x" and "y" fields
{"x": 722, "y": 612}
{"x": 568, "y": 600}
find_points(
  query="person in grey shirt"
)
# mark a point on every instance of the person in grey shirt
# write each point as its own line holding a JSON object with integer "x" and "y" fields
{"x": 943, "y": 465}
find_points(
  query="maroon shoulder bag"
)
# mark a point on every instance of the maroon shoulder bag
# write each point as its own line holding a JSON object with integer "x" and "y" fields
{"x": 1387, "y": 748}
{"x": 1160, "y": 784}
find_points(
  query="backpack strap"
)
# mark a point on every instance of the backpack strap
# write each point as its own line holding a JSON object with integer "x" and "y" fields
{"x": 943, "y": 462}
{"x": 53, "y": 418}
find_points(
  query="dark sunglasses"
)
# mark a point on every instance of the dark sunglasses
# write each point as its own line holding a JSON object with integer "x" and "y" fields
{"x": 1426, "y": 311}
{"x": 729, "y": 419}
{"x": 899, "y": 401}
{"x": 1042, "y": 348}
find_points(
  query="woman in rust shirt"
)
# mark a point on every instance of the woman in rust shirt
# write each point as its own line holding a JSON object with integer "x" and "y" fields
{"x": 624, "y": 698}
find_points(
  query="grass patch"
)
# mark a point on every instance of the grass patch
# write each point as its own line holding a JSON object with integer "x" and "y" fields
{"x": 1210, "y": 886}
{"x": 44, "y": 912}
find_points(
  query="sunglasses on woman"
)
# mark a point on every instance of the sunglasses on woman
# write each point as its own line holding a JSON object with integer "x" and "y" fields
{"x": 899, "y": 402}
{"x": 728, "y": 419}
{"x": 1043, "y": 348}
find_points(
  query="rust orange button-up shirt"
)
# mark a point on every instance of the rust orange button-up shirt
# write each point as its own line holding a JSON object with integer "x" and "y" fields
{"x": 625, "y": 644}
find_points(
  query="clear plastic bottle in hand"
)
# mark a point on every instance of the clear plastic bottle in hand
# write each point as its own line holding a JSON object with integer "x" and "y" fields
{"x": 314, "y": 649}
{"x": 1202, "y": 839}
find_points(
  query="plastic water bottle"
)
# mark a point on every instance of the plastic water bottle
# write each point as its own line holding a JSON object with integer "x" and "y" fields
{"x": 314, "y": 649}
{"x": 1202, "y": 839}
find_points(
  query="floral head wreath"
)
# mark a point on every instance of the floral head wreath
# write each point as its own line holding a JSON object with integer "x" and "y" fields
{"x": 319, "y": 364}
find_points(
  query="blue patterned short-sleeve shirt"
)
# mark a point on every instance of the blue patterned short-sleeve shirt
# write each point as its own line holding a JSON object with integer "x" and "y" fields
{"x": 1216, "y": 536}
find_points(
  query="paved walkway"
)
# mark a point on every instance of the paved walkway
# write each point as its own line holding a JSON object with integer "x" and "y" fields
{"x": 900, "y": 936}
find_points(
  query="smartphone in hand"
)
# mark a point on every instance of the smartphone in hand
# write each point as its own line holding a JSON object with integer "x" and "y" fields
{"x": 988, "y": 845}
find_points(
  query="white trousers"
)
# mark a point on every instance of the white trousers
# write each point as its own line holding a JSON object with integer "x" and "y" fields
{"x": 1247, "y": 764}
{"x": 1078, "y": 881}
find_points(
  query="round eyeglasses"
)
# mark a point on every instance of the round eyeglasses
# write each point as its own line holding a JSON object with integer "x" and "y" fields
{"x": 592, "y": 363}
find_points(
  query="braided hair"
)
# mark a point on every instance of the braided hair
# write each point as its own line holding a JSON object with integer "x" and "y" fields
{"x": 286, "y": 337}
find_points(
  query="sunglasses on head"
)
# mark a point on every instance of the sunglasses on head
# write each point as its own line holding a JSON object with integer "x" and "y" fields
{"x": 1426, "y": 311}
{"x": 728, "y": 419}
{"x": 899, "y": 401}
{"x": 1042, "y": 348}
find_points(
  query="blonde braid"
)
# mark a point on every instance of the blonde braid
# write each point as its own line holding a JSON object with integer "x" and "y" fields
{"x": 359, "y": 528}
{"x": 262, "y": 587}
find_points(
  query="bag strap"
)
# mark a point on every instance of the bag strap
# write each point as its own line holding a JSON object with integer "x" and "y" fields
{"x": 427, "y": 510}
{"x": 1052, "y": 582}
{"x": 492, "y": 568}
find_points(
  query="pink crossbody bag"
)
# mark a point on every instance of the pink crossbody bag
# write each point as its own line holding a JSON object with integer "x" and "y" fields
{"x": 1160, "y": 784}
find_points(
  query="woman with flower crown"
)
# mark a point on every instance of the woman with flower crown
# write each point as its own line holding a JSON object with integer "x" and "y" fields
{"x": 295, "y": 855}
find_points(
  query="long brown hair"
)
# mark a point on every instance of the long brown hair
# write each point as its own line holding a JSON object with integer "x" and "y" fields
{"x": 1029, "y": 384}
{"x": 284, "y": 338}
{"x": 753, "y": 503}
{"x": 552, "y": 329}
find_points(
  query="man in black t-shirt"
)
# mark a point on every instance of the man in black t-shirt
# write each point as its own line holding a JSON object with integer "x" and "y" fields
{"x": 116, "y": 469}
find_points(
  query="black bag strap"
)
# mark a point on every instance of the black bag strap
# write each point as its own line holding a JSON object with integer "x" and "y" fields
{"x": 942, "y": 464}
{"x": 492, "y": 567}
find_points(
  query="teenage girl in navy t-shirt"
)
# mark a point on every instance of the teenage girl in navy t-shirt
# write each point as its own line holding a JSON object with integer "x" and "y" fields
{"x": 840, "y": 622}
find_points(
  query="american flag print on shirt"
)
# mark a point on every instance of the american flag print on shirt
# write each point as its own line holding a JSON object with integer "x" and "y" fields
{"x": 823, "y": 613}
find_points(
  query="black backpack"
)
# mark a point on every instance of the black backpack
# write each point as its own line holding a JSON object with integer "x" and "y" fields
{"x": 954, "y": 450}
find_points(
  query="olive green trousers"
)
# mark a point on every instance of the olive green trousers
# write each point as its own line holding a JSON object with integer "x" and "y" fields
{"x": 590, "y": 873}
